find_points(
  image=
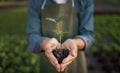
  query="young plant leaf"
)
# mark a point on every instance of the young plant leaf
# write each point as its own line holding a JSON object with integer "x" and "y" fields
{"x": 57, "y": 32}
{"x": 60, "y": 19}
{"x": 51, "y": 19}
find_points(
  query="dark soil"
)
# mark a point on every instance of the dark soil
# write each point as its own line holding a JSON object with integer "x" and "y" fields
{"x": 60, "y": 54}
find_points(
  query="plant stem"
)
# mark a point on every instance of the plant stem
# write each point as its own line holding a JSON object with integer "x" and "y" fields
{"x": 60, "y": 38}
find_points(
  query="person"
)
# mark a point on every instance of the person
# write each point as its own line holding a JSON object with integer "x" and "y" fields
{"x": 82, "y": 41}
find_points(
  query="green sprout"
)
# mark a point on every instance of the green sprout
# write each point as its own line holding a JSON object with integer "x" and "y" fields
{"x": 58, "y": 30}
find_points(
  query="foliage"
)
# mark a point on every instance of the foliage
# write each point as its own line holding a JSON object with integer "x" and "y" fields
{"x": 15, "y": 56}
{"x": 13, "y": 21}
{"x": 107, "y": 33}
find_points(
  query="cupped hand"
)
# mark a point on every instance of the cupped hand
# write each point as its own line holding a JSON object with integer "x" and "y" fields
{"x": 71, "y": 46}
{"x": 49, "y": 46}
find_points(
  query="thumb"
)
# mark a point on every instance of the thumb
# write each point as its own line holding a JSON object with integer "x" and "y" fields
{"x": 59, "y": 45}
{"x": 73, "y": 52}
{"x": 48, "y": 51}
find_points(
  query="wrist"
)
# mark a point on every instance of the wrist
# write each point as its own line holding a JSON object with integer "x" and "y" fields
{"x": 79, "y": 43}
{"x": 44, "y": 43}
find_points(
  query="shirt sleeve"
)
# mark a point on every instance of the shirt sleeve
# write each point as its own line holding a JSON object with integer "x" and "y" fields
{"x": 86, "y": 27}
{"x": 33, "y": 31}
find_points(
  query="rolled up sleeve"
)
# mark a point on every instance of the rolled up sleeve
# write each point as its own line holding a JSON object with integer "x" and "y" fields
{"x": 86, "y": 28}
{"x": 33, "y": 31}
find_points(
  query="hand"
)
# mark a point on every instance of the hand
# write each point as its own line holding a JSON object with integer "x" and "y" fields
{"x": 48, "y": 47}
{"x": 71, "y": 46}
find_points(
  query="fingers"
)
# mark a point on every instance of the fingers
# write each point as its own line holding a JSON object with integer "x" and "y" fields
{"x": 49, "y": 47}
{"x": 66, "y": 46}
{"x": 67, "y": 59}
{"x": 51, "y": 44}
{"x": 63, "y": 66}
{"x": 66, "y": 62}
{"x": 71, "y": 46}
{"x": 53, "y": 60}
{"x": 74, "y": 51}
{"x": 58, "y": 46}
{"x": 57, "y": 66}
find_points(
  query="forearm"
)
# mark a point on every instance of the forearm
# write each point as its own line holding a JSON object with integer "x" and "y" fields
{"x": 34, "y": 42}
{"x": 86, "y": 28}
{"x": 33, "y": 33}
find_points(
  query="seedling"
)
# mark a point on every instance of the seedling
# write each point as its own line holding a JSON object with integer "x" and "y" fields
{"x": 58, "y": 30}
{"x": 60, "y": 54}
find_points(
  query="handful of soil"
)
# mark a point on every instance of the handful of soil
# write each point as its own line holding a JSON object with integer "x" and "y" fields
{"x": 60, "y": 54}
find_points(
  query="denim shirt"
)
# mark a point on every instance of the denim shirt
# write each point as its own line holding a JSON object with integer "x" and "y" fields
{"x": 86, "y": 26}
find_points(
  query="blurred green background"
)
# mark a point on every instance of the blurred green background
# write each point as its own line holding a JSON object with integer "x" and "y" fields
{"x": 14, "y": 52}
